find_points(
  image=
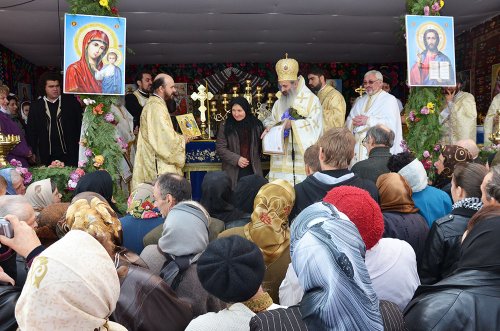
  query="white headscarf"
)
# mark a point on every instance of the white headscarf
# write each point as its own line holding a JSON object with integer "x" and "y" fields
{"x": 415, "y": 174}
{"x": 39, "y": 194}
{"x": 72, "y": 285}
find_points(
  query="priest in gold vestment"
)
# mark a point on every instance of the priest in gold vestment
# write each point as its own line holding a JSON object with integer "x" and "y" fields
{"x": 459, "y": 117}
{"x": 332, "y": 101}
{"x": 488, "y": 121}
{"x": 305, "y": 130}
{"x": 159, "y": 148}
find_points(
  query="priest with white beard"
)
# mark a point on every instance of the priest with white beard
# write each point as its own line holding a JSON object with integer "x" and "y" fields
{"x": 375, "y": 107}
{"x": 304, "y": 130}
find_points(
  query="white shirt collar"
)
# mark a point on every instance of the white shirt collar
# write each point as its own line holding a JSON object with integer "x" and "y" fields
{"x": 51, "y": 101}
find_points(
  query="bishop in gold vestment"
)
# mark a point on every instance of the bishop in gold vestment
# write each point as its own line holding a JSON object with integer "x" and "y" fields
{"x": 159, "y": 148}
{"x": 304, "y": 132}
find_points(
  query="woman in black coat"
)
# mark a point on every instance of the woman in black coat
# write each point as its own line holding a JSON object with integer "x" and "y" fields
{"x": 238, "y": 142}
{"x": 442, "y": 247}
{"x": 469, "y": 299}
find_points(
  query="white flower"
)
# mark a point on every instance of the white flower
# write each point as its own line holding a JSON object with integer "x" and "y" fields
{"x": 88, "y": 102}
{"x": 71, "y": 184}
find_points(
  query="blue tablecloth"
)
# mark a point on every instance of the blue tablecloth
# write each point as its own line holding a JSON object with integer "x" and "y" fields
{"x": 200, "y": 155}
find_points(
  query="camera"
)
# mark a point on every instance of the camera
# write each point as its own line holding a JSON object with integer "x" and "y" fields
{"x": 6, "y": 228}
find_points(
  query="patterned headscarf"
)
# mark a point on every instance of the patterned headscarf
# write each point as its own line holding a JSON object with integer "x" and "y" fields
{"x": 39, "y": 194}
{"x": 95, "y": 217}
{"x": 453, "y": 155}
{"x": 395, "y": 193}
{"x": 140, "y": 204}
{"x": 268, "y": 227}
{"x": 72, "y": 285}
{"x": 328, "y": 257}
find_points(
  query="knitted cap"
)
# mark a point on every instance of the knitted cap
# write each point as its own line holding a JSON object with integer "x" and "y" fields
{"x": 231, "y": 268}
{"x": 361, "y": 209}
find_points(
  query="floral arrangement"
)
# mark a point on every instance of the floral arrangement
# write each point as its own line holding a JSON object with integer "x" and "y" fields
{"x": 100, "y": 123}
{"x": 24, "y": 172}
{"x": 56, "y": 164}
{"x": 94, "y": 7}
{"x": 291, "y": 114}
{"x": 424, "y": 103}
{"x": 142, "y": 209}
{"x": 74, "y": 177}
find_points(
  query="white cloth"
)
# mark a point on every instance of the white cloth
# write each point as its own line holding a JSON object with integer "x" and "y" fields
{"x": 72, "y": 285}
{"x": 383, "y": 109}
{"x": 392, "y": 265}
{"x": 488, "y": 121}
{"x": 306, "y": 132}
{"x": 235, "y": 318}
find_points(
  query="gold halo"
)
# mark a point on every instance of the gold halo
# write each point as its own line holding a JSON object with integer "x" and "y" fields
{"x": 430, "y": 25}
{"x": 119, "y": 56}
{"x": 80, "y": 35}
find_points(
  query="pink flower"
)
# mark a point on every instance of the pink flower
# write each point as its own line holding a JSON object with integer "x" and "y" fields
{"x": 436, "y": 7}
{"x": 411, "y": 116}
{"x": 80, "y": 172}
{"x": 437, "y": 147}
{"x": 82, "y": 164}
{"x": 15, "y": 163}
{"x": 109, "y": 117}
{"x": 426, "y": 10}
{"x": 424, "y": 111}
{"x": 427, "y": 164}
{"x": 88, "y": 152}
{"x": 426, "y": 154}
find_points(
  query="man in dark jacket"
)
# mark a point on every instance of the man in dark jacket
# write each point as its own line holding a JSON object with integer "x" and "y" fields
{"x": 378, "y": 143}
{"x": 54, "y": 123}
{"x": 336, "y": 150}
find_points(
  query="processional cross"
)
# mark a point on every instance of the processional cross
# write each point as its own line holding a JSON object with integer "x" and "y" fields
{"x": 202, "y": 96}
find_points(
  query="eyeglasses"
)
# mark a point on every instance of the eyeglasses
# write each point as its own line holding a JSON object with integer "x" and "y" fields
{"x": 370, "y": 82}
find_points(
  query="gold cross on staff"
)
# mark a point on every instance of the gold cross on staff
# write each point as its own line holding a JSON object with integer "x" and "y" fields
{"x": 202, "y": 96}
{"x": 360, "y": 90}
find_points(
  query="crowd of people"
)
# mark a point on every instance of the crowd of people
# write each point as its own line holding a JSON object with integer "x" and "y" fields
{"x": 346, "y": 232}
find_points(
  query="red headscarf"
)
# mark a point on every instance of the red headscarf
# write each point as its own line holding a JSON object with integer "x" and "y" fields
{"x": 79, "y": 76}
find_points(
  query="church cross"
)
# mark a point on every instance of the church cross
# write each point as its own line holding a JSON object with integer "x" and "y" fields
{"x": 202, "y": 96}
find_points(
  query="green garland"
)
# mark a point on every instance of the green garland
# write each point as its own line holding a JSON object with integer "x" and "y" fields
{"x": 102, "y": 149}
{"x": 423, "y": 121}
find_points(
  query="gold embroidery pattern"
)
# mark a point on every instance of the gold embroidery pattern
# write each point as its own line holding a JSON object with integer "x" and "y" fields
{"x": 38, "y": 270}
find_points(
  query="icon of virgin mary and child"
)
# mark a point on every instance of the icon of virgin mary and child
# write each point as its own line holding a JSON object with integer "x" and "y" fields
{"x": 89, "y": 74}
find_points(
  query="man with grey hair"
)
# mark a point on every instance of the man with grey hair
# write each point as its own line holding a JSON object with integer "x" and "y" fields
{"x": 378, "y": 142}
{"x": 18, "y": 206}
{"x": 375, "y": 107}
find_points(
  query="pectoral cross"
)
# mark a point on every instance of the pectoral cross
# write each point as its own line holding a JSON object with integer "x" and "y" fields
{"x": 360, "y": 90}
{"x": 202, "y": 96}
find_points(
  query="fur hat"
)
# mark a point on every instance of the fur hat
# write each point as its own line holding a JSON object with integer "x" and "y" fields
{"x": 361, "y": 209}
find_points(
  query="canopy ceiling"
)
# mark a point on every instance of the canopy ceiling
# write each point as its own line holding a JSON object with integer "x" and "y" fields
{"x": 210, "y": 31}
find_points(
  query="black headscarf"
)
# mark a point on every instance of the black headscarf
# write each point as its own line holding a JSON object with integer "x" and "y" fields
{"x": 246, "y": 190}
{"x": 100, "y": 182}
{"x": 216, "y": 197}
{"x": 481, "y": 246}
{"x": 250, "y": 121}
